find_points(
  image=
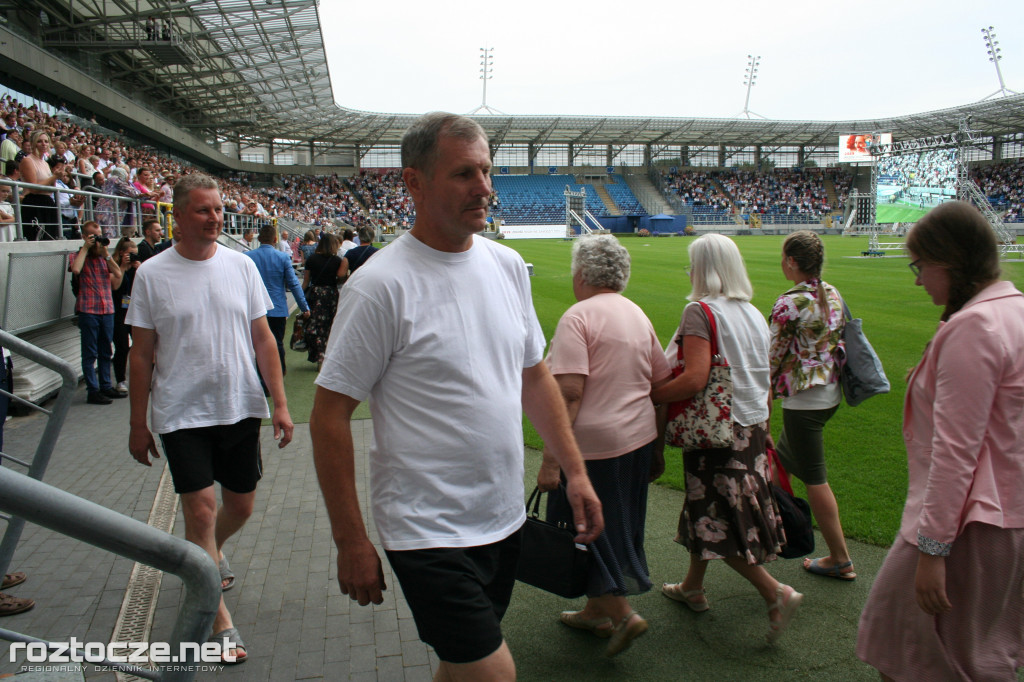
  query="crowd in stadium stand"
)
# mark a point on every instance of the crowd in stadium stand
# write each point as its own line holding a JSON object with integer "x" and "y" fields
{"x": 781, "y": 191}
{"x": 318, "y": 199}
{"x": 377, "y": 197}
{"x": 696, "y": 189}
{"x": 1003, "y": 184}
{"x": 936, "y": 168}
{"x": 383, "y": 193}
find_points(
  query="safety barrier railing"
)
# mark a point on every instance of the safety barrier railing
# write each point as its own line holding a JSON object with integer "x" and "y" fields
{"x": 239, "y": 223}
{"x": 89, "y": 522}
{"x": 24, "y": 497}
{"x": 88, "y": 207}
{"x": 55, "y": 416}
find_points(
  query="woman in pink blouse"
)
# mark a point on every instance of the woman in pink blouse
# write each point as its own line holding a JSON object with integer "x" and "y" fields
{"x": 606, "y": 358}
{"x": 807, "y": 326}
{"x": 948, "y": 603}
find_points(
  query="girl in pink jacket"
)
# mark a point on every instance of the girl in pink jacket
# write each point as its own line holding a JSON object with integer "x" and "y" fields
{"x": 948, "y": 603}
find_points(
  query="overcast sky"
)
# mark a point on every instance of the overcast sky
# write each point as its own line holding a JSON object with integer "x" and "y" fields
{"x": 819, "y": 60}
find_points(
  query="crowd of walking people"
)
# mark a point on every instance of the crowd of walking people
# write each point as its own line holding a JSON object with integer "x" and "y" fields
{"x": 440, "y": 330}
{"x": 946, "y": 604}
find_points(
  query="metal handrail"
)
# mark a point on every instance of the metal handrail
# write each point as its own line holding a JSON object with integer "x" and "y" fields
{"x": 70, "y": 515}
{"x": 51, "y": 432}
{"x": 26, "y": 498}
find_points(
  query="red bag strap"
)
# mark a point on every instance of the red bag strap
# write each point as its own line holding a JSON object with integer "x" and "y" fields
{"x": 783, "y": 481}
{"x": 714, "y": 333}
{"x": 714, "y": 327}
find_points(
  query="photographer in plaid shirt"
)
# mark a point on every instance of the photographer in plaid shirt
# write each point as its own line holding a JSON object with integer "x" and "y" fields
{"x": 97, "y": 275}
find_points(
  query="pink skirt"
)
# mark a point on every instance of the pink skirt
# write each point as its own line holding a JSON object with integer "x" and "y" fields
{"x": 981, "y": 638}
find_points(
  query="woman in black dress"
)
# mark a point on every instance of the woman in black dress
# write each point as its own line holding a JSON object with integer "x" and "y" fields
{"x": 126, "y": 255}
{"x": 320, "y": 282}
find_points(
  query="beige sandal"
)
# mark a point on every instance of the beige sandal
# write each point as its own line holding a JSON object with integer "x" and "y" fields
{"x": 601, "y": 627}
{"x": 676, "y": 592}
{"x": 787, "y": 608}
{"x": 625, "y": 632}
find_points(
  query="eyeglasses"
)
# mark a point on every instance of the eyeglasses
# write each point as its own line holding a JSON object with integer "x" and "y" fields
{"x": 689, "y": 270}
{"x": 915, "y": 268}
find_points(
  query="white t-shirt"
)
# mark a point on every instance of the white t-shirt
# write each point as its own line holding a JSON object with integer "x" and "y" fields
{"x": 202, "y": 311}
{"x": 7, "y": 230}
{"x": 744, "y": 339}
{"x": 820, "y": 397}
{"x": 438, "y": 342}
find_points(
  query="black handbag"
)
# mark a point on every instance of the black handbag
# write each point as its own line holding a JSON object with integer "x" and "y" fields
{"x": 550, "y": 559}
{"x": 795, "y": 513}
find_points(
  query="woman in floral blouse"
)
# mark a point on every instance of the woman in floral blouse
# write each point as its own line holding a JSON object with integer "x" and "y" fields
{"x": 806, "y": 326}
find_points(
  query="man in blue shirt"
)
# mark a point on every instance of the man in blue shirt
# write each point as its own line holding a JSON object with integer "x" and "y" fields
{"x": 276, "y": 270}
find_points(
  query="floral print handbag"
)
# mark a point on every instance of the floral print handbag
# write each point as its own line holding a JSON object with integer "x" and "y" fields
{"x": 703, "y": 422}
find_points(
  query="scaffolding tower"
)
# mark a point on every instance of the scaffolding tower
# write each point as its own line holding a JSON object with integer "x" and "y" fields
{"x": 966, "y": 189}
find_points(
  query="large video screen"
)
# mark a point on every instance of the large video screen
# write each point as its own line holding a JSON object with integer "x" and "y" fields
{"x": 857, "y": 148}
{"x": 909, "y": 185}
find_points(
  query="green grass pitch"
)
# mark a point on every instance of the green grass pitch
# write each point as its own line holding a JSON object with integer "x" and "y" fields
{"x": 864, "y": 446}
{"x": 898, "y": 213}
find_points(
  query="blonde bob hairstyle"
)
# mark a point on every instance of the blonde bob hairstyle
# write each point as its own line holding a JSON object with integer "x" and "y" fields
{"x": 717, "y": 269}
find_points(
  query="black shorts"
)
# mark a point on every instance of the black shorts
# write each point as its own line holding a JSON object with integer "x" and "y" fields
{"x": 458, "y": 595}
{"x": 228, "y": 454}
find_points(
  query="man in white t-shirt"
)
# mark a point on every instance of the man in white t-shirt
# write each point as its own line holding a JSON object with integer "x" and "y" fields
{"x": 439, "y": 330}
{"x": 205, "y": 307}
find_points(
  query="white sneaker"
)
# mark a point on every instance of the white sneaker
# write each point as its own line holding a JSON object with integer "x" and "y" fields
{"x": 122, "y": 387}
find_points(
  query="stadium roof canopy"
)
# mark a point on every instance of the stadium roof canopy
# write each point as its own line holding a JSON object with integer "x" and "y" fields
{"x": 257, "y": 69}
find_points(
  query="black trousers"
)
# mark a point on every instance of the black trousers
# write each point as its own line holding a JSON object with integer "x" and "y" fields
{"x": 277, "y": 325}
{"x": 39, "y": 217}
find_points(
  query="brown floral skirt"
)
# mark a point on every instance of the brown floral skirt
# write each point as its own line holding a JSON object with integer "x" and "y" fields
{"x": 729, "y": 509}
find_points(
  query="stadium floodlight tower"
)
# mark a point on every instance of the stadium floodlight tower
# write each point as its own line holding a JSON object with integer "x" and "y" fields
{"x": 994, "y": 56}
{"x": 749, "y": 79}
{"x": 486, "y": 71}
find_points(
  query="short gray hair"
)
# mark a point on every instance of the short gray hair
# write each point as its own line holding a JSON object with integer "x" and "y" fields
{"x": 183, "y": 188}
{"x": 419, "y": 143}
{"x": 717, "y": 269}
{"x": 601, "y": 261}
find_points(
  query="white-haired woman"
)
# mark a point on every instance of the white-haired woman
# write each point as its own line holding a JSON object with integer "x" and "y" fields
{"x": 729, "y": 512}
{"x": 606, "y": 359}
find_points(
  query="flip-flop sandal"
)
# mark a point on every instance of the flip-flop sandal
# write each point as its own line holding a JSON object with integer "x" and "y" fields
{"x": 11, "y": 605}
{"x": 12, "y": 579}
{"x": 226, "y": 574}
{"x": 835, "y": 571}
{"x": 230, "y": 639}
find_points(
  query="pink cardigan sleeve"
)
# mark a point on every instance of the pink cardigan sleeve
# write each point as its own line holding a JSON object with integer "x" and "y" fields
{"x": 968, "y": 364}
